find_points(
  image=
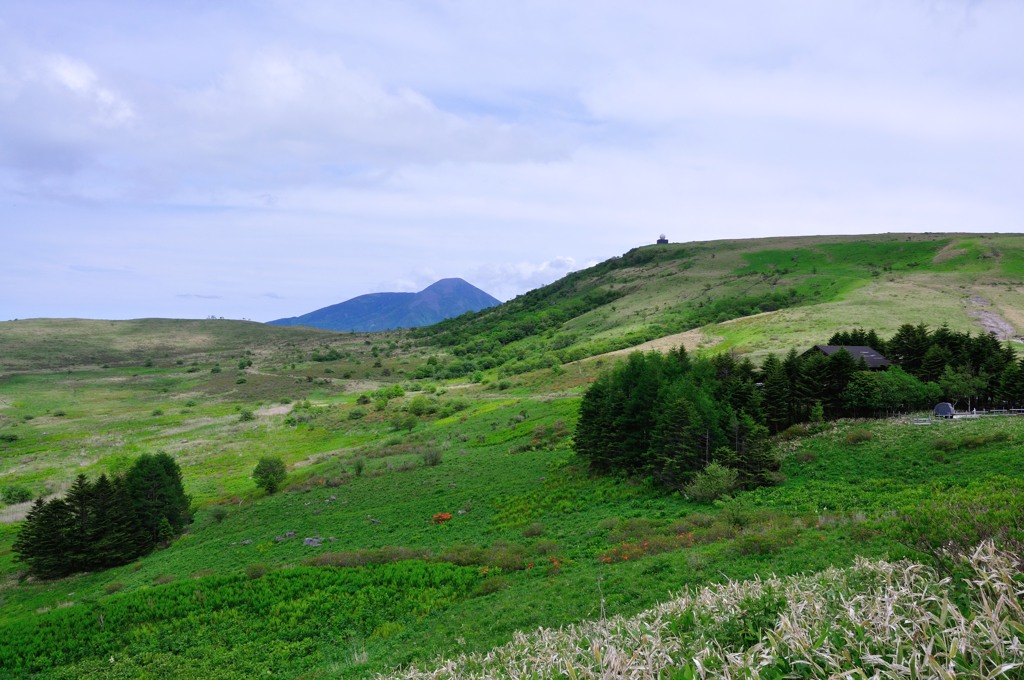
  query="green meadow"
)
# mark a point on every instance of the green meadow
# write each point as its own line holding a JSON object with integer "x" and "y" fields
{"x": 427, "y": 516}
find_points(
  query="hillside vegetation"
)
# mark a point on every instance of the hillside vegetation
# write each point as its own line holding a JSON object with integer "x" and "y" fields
{"x": 751, "y": 296}
{"x": 427, "y": 518}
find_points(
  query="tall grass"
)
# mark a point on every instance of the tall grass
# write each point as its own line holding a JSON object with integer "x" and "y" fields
{"x": 874, "y": 619}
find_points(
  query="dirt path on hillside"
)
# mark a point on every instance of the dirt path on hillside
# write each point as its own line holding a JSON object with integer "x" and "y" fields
{"x": 979, "y": 308}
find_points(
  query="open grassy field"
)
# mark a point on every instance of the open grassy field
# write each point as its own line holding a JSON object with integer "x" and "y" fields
{"x": 354, "y": 568}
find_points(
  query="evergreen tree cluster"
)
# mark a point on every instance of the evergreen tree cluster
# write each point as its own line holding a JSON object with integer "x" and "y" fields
{"x": 974, "y": 371}
{"x": 107, "y": 522}
{"x": 669, "y": 416}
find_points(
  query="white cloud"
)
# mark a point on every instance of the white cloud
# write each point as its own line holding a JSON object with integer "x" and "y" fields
{"x": 325, "y": 150}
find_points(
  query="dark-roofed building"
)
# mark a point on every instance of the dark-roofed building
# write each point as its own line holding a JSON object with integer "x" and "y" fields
{"x": 874, "y": 360}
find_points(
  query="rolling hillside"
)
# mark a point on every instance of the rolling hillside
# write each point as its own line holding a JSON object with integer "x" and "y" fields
{"x": 435, "y": 507}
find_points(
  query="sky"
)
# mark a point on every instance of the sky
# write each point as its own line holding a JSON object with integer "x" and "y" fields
{"x": 262, "y": 159}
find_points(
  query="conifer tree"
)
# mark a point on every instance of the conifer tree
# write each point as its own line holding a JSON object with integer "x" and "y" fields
{"x": 777, "y": 394}
{"x": 78, "y": 547}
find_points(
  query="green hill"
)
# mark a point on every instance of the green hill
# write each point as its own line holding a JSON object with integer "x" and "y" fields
{"x": 750, "y": 296}
{"x": 428, "y": 516}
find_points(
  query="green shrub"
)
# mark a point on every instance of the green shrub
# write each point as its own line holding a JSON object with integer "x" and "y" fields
{"x": 506, "y": 556}
{"x": 246, "y": 416}
{"x": 113, "y": 587}
{"x": 8, "y": 437}
{"x": 859, "y": 436}
{"x": 764, "y": 542}
{"x": 358, "y": 465}
{"x": 711, "y": 484}
{"x": 219, "y": 513}
{"x": 533, "y": 530}
{"x": 163, "y": 579}
{"x": 432, "y": 457}
{"x": 421, "y": 406}
{"x": 462, "y": 555}
{"x": 255, "y": 571}
{"x": 718, "y": 531}
{"x": 269, "y": 474}
{"x": 545, "y": 547}
{"x": 492, "y": 585}
{"x": 356, "y": 414}
{"x": 15, "y": 494}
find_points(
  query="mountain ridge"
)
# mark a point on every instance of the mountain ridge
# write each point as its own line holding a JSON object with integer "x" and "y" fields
{"x": 443, "y": 299}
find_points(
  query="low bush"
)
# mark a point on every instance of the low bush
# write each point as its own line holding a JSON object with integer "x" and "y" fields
{"x": 533, "y": 530}
{"x": 15, "y": 494}
{"x": 859, "y": 436}
{"x": 255, "y": 571}
{"x": 545, "y": 547}
{"x": 714, "y": 482}
{"x": 492, "y": 585}
{"x": 765, "y": 542}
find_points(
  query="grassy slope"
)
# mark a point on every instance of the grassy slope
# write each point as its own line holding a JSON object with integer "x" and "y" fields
{"x": 823, "y": 514}
{"x": 827, "y": 282}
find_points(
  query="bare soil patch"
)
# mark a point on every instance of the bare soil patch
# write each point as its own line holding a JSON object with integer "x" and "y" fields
{"x": 948, "y": 253}
{"x": 991, "y": 320}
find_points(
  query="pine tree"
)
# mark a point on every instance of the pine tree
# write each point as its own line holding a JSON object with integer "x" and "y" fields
{"x": 908, "y": 347}
{"x": 50, "y": 546}
{"x": 594, "y": 427}
{"x": 154, "y": 487}
{"x": 841, "y": 367}
{"x": 677, "y": 442}
{"x": 27, "y": 544}
{"x": 777, "y": 394}
{"x": 79, "y": 500}
{"x": 934, "y": 362}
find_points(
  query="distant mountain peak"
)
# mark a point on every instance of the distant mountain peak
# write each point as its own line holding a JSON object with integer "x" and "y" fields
{"x": 440, "y": 300}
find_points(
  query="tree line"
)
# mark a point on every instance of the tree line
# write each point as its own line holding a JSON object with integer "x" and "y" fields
{"x": 107, "y": 522}
{"x": 670, "y": 416}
